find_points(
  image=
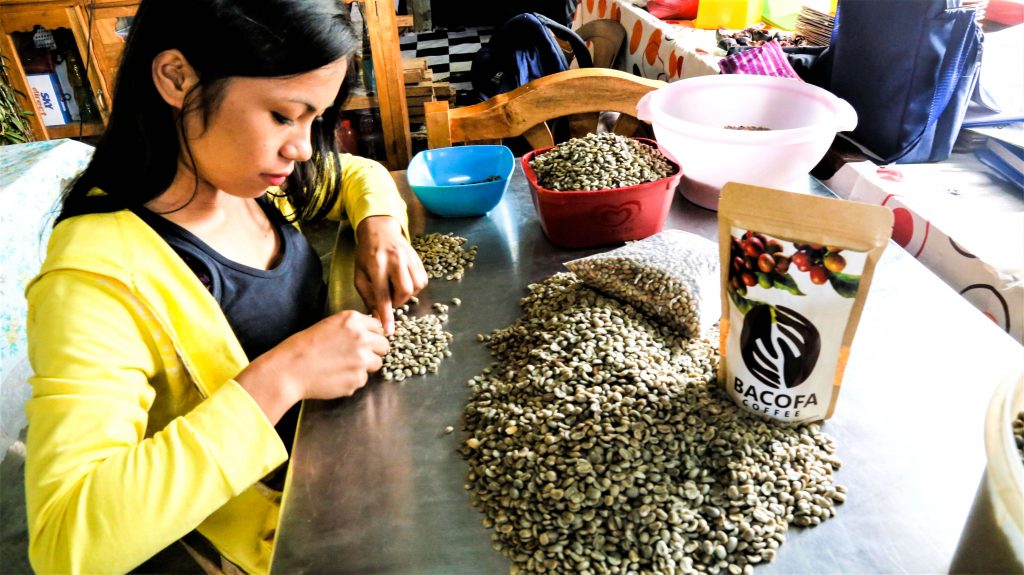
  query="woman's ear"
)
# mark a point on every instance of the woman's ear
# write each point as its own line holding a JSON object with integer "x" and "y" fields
{"x": 173, "y": 77}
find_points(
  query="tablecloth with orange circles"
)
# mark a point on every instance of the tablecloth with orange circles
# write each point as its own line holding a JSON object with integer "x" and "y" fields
{"x": 656, "y": 49}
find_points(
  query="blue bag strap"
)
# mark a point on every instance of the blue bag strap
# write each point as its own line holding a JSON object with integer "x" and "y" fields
{"x": 954, "y": 62}
{"x": 579, "y": 46}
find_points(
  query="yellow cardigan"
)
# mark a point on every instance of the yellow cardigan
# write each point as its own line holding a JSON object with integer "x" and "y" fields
{"x": 138, "y": 432}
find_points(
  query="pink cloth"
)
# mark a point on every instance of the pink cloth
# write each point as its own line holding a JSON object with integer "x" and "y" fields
{"x": 765, "y": 60}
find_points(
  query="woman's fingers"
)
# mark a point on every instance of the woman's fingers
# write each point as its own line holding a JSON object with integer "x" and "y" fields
{"x": 382, "y": 313}
{"x": 402, "y": 284}
{"x": 378, "y": 344}
{"x": 374, "y": 363}
{"x": 406, "y": 274}
{"x": 388, "y": 269}
{"x": 382, "y": 306}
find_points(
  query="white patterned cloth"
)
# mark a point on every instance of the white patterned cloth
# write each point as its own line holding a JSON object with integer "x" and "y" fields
{"x": 32, "y": 177}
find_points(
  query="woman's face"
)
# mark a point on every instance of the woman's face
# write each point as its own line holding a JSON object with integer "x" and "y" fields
{"x": 260, "y": 129}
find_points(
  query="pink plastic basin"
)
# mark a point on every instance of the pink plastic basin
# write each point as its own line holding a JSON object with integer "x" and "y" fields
{"x": 689, "y": 119}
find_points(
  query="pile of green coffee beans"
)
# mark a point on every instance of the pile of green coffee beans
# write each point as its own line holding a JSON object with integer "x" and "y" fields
{"x": 418, "y": 345}
{"x": 599, "y": 442}
{"x": 598, "y": 162}
{"x": 444, "y": 255}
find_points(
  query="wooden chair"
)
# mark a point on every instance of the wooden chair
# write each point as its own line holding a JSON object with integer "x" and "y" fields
{"x": 578, "y": 94}
{"x": 605, "y": 38}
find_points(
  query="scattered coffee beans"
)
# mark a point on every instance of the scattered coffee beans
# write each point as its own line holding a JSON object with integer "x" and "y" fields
{"x": 417, "y": 346}
{"x": 598, "y": 442}
{"x": 444, "y": 255}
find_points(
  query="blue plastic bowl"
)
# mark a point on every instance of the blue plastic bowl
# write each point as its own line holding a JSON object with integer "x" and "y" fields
{"x": 453, "y": 182}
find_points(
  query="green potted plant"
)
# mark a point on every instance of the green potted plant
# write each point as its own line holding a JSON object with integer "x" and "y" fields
{"x": 13, "y": 127}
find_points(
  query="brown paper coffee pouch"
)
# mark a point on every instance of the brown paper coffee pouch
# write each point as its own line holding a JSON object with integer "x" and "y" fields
{"x": 795, "y": 274}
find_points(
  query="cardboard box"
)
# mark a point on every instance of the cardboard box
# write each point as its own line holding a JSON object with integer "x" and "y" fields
{"x": 46, "y": 92}
{"x": 960, "y": 220}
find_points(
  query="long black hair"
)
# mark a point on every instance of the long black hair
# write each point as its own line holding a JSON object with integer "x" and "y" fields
{"x": 137, "y": 157}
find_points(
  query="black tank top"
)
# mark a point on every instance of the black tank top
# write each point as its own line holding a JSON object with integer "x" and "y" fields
{"x": 263, "y": 307}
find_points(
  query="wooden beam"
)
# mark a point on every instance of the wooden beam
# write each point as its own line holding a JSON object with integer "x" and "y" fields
{"x": 415, "y": 76}
{"x": 74, "y": 130}
{"x": 360, "y": 102}
{"x": 439, "y": 133}
{"x": 414, "y": 64}
{"x": 388, "y": 73}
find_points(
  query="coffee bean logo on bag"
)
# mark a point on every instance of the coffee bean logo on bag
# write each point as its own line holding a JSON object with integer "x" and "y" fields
{"x": 779, "y": 346}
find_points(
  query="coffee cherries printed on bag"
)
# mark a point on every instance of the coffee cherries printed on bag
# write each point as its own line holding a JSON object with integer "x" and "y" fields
{"x": 820, "y": 262}
{"x": 757, "y": 260}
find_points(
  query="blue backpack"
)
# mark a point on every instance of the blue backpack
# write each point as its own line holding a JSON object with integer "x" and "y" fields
{"x": 910, "y": 95}
{"x": 521, "y": 50}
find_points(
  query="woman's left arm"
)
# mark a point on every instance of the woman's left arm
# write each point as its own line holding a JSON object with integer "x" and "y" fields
{"x": 388, "y": 271}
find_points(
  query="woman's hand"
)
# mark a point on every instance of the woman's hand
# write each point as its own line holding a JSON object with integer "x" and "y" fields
{"x": 332, "y": 358}
{"x": 388, "y": 270}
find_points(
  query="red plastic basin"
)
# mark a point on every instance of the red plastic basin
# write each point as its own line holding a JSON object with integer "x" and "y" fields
{"x": 586, "y": 218}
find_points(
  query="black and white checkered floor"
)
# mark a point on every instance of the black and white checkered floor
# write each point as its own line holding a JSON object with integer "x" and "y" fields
{"x": 449, "y": 53}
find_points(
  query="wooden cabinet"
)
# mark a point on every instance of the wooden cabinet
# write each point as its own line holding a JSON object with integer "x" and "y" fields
{"x": 109, "y": 33}
{"x": 89, "y": 36}
{"x": 49, "y": 56}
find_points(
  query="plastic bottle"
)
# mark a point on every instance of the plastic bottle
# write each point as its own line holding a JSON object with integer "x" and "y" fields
{"x": 346, "y": 138}
{"x": 371, "y": 138}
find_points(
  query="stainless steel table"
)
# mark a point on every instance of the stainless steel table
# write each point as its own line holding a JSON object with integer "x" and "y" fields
{"x": 376, "y": 486}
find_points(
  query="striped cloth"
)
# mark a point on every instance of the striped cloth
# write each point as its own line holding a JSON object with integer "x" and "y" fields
{"x": 765, "y": 60}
